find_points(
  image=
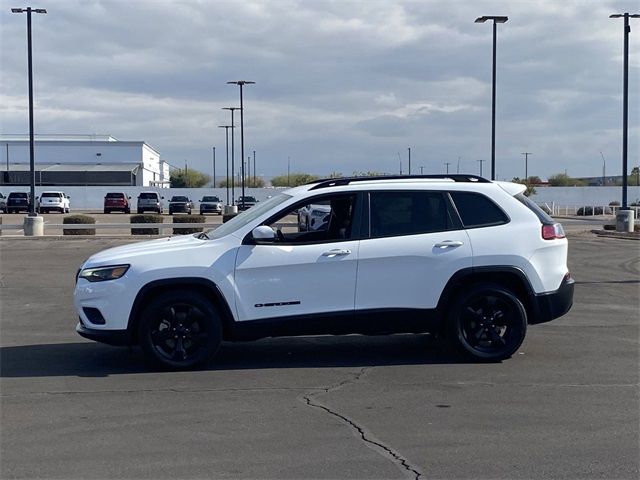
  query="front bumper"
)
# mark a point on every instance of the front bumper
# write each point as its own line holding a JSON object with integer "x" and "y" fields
{"x": 110, "y": 337}
{"x": 211, "y": 208}
{"x": 551, "y": 305}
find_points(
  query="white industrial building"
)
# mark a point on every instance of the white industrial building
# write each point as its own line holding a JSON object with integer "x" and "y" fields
{"x": 82, "y": 160}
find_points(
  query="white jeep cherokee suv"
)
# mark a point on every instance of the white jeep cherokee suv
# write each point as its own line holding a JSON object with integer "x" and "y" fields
{"x": 452, "y": 254}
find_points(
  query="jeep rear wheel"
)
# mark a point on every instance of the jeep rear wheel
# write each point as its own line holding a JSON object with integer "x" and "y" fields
{"x": 180, "y": 330}
{"x": 488, "y": 322}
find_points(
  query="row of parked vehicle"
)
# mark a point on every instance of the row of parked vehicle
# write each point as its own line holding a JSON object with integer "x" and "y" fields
{"x": 56, "y": 201}
{"x": 46, "y": 202}
{"x": 154, "y": 202}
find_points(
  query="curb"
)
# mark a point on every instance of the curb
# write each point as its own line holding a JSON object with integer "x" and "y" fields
{"x": 613, "y": 234}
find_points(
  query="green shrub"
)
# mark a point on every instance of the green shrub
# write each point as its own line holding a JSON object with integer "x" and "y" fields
{"x": 145, "y": 218}
{"x": 78, "y": 219}
{"x": 615, "y": 203}
{"x": 187, "y": 219}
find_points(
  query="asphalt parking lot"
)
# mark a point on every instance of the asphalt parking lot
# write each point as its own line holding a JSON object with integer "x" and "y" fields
{"x": 565, "y": 406}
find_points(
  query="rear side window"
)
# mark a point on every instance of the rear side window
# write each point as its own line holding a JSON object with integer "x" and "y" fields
{"x": 408, "y": 213}
{"x": 476, "y": 210}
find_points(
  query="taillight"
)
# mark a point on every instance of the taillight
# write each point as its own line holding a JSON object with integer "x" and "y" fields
{"x": 552, "y": 232}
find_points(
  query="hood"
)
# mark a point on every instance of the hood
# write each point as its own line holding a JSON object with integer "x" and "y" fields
{"x": 128, "y": 253}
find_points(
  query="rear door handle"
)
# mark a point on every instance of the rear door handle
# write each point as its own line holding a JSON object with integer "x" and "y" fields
{"x": 449, "y": 243}
{"x": 336, "y": 252}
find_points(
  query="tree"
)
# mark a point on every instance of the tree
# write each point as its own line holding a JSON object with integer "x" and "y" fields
{"x": 293, "y": 179}
{"x": 635, "y": 172}
{"x": 248, "y": 183}
{"x": 564, "y": 180}
{"x": 188, "y": 179}
{"x": 530, "y": 188}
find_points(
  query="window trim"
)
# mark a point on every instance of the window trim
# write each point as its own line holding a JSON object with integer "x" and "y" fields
{"x": 454, "y": 219}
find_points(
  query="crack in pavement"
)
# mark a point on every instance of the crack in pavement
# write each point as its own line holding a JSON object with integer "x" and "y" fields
{"x": 367, "y": 437}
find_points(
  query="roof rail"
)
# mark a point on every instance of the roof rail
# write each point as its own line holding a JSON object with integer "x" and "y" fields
{"x": 335, "y": 182}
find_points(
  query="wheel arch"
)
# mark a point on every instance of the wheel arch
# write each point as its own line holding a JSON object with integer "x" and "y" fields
{"x": 206, "y": 287}
{"x": 510, "y": 277}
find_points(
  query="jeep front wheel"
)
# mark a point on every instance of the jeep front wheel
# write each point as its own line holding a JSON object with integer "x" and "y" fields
{"x": 488, "y": 322}
{"x": 180, "y": 330}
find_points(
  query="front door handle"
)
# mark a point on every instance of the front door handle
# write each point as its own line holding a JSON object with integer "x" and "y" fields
{"x": 449, "y": 243}
{"x": 336, "y": 252}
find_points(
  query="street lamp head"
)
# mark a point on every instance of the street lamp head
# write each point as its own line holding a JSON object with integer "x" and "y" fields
{"x": 17, "y": 10}
{"x": 231, "y": 108}
{"x": 496, "y": 19}
{"x": 39, "y": 10}
{"x": 226, "y": 126}
{"x": 34, "y": 10}
{"x": 620, "y": 15}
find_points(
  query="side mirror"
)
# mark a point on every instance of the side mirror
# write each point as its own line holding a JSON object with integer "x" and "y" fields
{"x": 128, "y": 198}
{"x": 68, "y": 197}
{"x": 162, "y": 198}
{"x": 263, "y": 233}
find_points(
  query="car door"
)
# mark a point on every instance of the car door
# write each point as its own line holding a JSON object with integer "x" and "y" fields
{"x": 299, "y": 274}
{"x": 415, "y": 245}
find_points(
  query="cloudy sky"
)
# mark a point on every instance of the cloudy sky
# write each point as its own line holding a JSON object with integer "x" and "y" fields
{"x": 340, "y": 85}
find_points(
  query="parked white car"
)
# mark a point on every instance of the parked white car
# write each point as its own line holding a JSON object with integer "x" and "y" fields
{"x": 53, "y": 201}
{"x": 456, "y": 254}
{"x": 314, "y": 217}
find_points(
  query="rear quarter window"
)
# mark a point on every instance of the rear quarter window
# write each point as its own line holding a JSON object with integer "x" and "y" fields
{"x": 476, "y": 210}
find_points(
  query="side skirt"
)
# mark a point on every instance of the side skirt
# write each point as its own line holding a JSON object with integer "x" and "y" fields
{"x": 366, "y": 322}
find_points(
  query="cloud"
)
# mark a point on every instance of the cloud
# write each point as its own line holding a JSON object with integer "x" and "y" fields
{"x": 341, "y": 85}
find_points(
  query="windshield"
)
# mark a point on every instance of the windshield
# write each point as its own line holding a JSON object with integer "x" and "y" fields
{"x": 179, "y": 199}
{"x": 247, "y": 216}
{"x": 210, "y": 199}
{"x": 247, "y": 199}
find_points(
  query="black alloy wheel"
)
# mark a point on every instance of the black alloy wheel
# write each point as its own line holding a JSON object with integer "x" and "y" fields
{"x": 180, "y": 330}
{"x": 488, "y": 322}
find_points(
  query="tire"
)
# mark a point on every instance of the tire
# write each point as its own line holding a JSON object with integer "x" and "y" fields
{"x": 127, "y": 211}
{"x": 106, "y": 211}
{"x": 179, "y": 330}
{"x": 487, "y": 322}
{"x": 139, "y": 211}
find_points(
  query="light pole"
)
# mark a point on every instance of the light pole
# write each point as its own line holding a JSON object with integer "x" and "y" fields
{"x": 233, "y": 156}
{"x": 625, "y": 100}
{"x": 241, "y": 83}
{"x": 480, "y": 162}
{"x": 409, "y": 148}
{"x": 214, "y": 167}
{"x": 526, "y": 167}
{"x": 447, "y": 164}
{"x": 32, "y": 175}
{"x": 421, "y": 169}
{"x": 604, "y": 170}
{"x": 458, "y": 166}
{"x": 226, "y": 131}
{"x": 254, "y": 169}
{"x": 496, "y": 20}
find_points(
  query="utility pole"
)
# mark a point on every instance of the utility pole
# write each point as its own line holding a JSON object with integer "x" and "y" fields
{"x": 254, "y": 169}
{"x": 604, "y": 170}
{"x": 241, "y": 83}
{"x": 288, "y": 171}
{"x": 421, "y": 169}
{"x": 526, "y": 167}
{"x": 233, "y": 157}
{"x": 409, "y": 148}
{"x": 447, "y": 164}
{"x": 458, "y": 167}
{"x": 226, "y": 131}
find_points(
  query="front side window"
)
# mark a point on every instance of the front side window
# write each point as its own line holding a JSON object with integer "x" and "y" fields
{"x": 408, "y": 213}
{"x": 325, "y": 219}
{"x": 476, "y": 210}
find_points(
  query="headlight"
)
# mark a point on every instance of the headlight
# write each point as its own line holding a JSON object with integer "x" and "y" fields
{"x": 100, "y": 274}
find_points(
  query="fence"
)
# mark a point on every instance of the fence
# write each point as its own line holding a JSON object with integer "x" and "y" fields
{"x": 556, "y": 209}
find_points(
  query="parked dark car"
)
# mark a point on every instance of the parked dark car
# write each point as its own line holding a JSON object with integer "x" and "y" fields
{"x": 246, "y": 202}
{"x": 18, "y": 201}
{"x": 117, "y": 202}
{"x": 180, "y": 204}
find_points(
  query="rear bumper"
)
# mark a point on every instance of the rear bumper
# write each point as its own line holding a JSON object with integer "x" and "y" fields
{"x": 551, "y": 305}
{"x": 111, "y": 337}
